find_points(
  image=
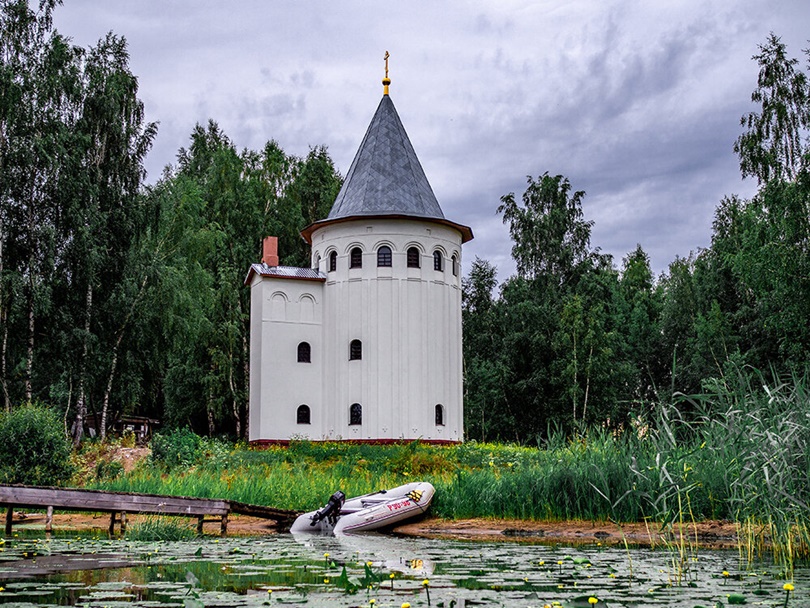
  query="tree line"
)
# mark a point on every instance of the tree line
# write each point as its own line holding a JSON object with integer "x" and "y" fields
{"x": 118, "y": 297}
{"x": 572, "y": 341}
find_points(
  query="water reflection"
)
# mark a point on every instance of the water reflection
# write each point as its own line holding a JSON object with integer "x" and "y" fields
{"x": 353, "y": 570}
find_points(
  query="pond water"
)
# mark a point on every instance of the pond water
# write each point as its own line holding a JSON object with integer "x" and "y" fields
{"x": 376, "y": 570}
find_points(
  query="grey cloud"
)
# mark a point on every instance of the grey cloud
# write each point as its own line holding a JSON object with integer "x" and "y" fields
{"x": 638, "y": 104}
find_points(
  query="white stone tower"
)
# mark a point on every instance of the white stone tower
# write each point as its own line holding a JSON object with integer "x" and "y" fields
{"x": 366, "y": 345}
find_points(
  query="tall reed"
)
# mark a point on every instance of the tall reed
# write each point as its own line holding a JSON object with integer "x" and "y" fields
{"x": 739, "y": 451}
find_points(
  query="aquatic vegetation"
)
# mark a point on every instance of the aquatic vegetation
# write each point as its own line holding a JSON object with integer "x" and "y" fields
{"x": 160, "y": 529}
{"x": 740, "y": 454}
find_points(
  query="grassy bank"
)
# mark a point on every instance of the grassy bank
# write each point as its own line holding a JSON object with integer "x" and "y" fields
{"x": 747, "y": 461}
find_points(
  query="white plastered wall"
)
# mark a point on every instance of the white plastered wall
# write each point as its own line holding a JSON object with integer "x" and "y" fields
{"x": 409, "y": 321}
{"x": 284, "y": 313}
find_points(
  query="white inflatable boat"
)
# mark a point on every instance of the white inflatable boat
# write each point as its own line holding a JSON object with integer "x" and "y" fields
{"x": 368, "y": 512}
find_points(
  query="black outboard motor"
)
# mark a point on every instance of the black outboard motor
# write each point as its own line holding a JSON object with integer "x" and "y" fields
{"x": 331, "y": 510}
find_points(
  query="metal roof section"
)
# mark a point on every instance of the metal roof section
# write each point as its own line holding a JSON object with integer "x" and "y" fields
{"x": 386, "y": 177}
{"x": 284, "y": 272}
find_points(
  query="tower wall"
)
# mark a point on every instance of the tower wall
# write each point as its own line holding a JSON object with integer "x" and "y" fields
{"x": 409, "y": 323}
{"x": 283, "y": 314}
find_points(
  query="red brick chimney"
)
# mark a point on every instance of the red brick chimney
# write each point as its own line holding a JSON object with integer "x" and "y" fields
{"x": 270, "y": 251}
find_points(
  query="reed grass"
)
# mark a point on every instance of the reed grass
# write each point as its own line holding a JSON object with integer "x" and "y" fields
{"x": 160, "y": 529}
{"x": 741, "y": 454}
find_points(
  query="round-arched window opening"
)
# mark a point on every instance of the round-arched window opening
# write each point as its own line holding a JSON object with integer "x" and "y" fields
{"x": 333, "y": 261}
{"x": 414, "y": 257}
{"x": 438, "y": 261}
{"x": 384, "y": 257}
{"x": 355, "y": 350}
{"x": 304, "y": 353}
{"x": 302, "y": 414}
{"x": 439, "y": 414}
{"x": 356, "y": 258}
{"x": 355, "y": 414}
{"x": 454, "y": 259}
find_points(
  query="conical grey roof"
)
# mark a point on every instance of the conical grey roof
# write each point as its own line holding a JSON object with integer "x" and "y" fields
{"x": 385, "y": 177}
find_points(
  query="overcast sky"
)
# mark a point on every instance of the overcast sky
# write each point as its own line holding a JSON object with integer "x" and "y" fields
{"x": 637, "y": 103}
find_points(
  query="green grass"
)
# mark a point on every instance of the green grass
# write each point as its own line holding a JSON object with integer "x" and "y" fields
{"x": 160, "y": 529}
{"x": 743, "y": 454}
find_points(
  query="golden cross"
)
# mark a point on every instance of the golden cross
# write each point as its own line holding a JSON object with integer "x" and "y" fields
{"x": 387, "y": 55}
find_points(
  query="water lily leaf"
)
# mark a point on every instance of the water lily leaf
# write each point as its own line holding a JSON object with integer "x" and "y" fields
{"x": 737, "y": 598}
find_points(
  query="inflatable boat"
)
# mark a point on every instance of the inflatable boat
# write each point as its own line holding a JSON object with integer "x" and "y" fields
{"x": 367, "y": 512}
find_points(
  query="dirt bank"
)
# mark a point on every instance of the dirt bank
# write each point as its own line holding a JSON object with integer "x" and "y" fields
{"x": 711, "y": 534}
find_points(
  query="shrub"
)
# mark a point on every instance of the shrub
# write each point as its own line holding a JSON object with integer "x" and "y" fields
{"x": 108, "y": 469}
{"x": 33, "y": 447}
{"x": 178, "y": 448}
{"x": 183, "y": 448}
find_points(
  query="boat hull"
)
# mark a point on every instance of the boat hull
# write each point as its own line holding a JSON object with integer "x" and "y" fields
{"x": 371, "y": 511}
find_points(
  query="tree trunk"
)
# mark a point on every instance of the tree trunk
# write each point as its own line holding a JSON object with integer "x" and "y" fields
{"x": 574, "y": 392}
{"x": 246, "y": 355}
{"x": 3, "y": 320}
{"x": 6, "y": 399}
{"x": 81, "y": 403}
{"x": 587, "y": 384}
{"x": 105, "y": 407}
{"x": 3, "y": 307}
{"x": 209, "y": 407}
{"x": 29, "y": 360}
{"x": 232, "y": 388}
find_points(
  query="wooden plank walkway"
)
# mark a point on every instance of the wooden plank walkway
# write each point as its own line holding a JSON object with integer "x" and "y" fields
{"x": 119, "y": 504}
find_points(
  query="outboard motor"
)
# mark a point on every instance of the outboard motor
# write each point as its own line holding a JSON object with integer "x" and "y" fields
{"x": 331, "y": 510}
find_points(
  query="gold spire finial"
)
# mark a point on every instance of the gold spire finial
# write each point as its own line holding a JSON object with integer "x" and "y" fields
{"x": 386, "y": 81}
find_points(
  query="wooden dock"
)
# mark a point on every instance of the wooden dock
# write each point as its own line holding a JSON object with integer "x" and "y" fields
{"x": 119, "y": 504}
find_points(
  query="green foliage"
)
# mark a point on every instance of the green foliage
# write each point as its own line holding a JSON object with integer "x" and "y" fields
{"x": 182, "y": 448}
{"x": 741, "y": 454}
{"x": 33, "y": 447}
{"x": 108, "y": 469}
{"x": 151, "y": 529}
{"x": 550, "y": 237}
{"x": 774, "y": 145}
{"x": 552, "y": 350}
{"x": 571, "y": 341}
{"x": 142, "y": 285}
{"x": 214, "y": 210}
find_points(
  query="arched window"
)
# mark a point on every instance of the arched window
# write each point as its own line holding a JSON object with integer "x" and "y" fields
{"x": 356, "y": 414}
{"x": 414, "y": 257}
{"x": 454, "y": 259}
{"x": 304, "y": 353}
{"x": 317, "y": 264}
{"x": 439, "y": 414}
{"x": 356, "y": 258}
{"x": 302, "y": 414}
{"x": 384, "y": 256}
{"x": 333, "y": 261}
{"x": 355, "y": 350}
{"x": 438, "y": 261}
